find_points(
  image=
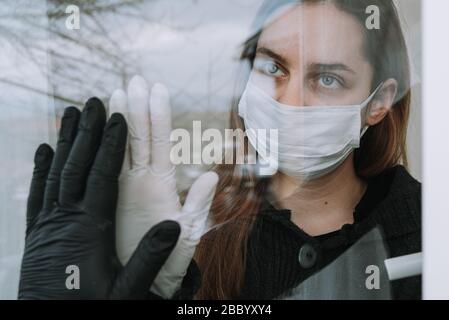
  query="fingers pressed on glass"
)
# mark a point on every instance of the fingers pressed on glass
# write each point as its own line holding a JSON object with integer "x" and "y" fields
{"x": 119, "y": 104}
{"x": 67, "y": 135}
{"x": 42, "y": 162}
{"x": 82, "y": 154}
{"x": 102, "y": 183}
{"x": 160, "y": 114}
{"x": 139, "y": 122}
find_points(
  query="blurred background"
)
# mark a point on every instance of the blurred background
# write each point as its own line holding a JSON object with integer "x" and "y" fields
{"x": 192, "y": 46}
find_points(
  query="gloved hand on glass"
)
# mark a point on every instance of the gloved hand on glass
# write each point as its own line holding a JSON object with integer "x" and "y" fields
{"x": 71, "y": 217}
{"x": 148, "y": 191}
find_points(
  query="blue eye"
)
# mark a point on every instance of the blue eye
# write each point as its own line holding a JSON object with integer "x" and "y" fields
{"x": 329, "y": 82}
{"x": 271, "y": 68}
{"x": 268, "y": 68}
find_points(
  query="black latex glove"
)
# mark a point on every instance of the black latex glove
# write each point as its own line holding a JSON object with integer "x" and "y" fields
{"x": 71, "y": 216}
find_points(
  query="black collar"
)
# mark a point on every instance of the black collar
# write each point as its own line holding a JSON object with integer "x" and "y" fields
{"x": 391, "y": 202}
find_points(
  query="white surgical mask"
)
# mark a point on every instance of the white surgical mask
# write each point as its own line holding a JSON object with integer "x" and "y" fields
{"x": 312, "y": 141}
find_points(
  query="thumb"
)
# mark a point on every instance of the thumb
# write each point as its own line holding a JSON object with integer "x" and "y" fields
{"x": 197, "y": 204}
{"x": 193, "y": 219}
{"x": 135, "y": 279}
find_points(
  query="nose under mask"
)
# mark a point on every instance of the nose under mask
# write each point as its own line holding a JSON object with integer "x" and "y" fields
{"x": 311, "y": 141}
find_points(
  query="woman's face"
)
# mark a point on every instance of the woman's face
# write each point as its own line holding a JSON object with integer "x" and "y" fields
{"x": 312, "y": 55}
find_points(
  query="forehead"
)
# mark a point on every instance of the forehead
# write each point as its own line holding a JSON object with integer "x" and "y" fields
{"x": 314, "y": 31}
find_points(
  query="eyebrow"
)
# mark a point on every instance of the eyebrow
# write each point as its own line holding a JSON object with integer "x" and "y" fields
{"x": 323, "y": 67}
{"x": 272, "y": 54}
{"x": 314, "y": 67}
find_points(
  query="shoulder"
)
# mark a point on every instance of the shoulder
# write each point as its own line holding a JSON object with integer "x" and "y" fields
{"x": 399, "y": 213}
{"x": 403, "y": 194}
{"x": 402, "y": 178}
{"x": 400, "y": 218}
{"x": 398, "y": 181}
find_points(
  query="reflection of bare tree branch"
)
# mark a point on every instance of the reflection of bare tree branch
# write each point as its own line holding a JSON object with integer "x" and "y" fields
{"x": 40, "y": 91}
{"x": 81, "y": 61}
{"x": 88, "y": 6}
{"x": 73, "y": 55}
{"x": 97, "y": 48}
{"x": 87, "y": 61}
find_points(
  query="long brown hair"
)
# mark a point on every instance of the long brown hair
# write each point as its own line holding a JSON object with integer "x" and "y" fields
{"x": 221, "y": 253}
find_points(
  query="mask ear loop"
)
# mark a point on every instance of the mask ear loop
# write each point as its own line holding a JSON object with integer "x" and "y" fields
{"x": 367, "y": 108}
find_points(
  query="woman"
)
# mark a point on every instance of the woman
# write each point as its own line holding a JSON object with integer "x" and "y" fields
{"x": 328, "y": 192}
{"x": 337, "y": 90}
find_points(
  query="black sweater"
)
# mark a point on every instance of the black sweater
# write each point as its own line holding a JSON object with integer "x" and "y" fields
{"x": 281, "y": 256}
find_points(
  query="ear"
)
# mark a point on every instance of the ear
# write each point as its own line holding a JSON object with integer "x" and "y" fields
{"x": 382, "y": 102}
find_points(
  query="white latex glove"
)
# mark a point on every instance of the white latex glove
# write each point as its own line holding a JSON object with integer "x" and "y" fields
{"x": 148, "y": 193}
